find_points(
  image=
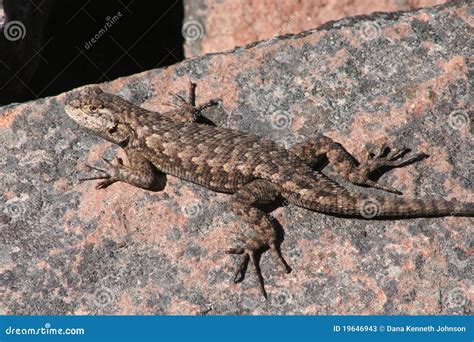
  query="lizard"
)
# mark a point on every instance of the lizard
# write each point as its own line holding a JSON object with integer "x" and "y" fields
{"x": 255, "y": 171}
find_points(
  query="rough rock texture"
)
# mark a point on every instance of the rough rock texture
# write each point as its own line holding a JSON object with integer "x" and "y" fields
{"x": 402, "y": 78}
{"x": 219, "y": 25}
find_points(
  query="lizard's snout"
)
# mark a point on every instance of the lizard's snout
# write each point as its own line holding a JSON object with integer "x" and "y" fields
{"x": 73, "y": 102}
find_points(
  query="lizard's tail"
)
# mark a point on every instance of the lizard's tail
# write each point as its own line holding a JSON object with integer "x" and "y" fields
{"x": 373, "y": 207}
{"x": 383, "y": 207}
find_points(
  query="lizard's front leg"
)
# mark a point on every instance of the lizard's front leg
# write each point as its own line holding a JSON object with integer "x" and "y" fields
{"x": 321, "y": 150}
{"x": 259, "y": 232}
{"x": 187, "y": 110}
{"x": 139, "y": 172}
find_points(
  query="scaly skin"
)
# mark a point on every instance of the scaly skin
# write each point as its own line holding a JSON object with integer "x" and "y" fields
{"x": 255, "y": 170}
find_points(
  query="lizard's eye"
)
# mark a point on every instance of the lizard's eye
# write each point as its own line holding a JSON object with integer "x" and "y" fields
{"x": 93, "y": 108}
{"x": 113, "y": 129}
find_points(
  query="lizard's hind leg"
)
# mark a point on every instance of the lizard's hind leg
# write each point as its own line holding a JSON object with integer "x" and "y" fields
{"x": 323, "y": 150}
{"x": 259, "y": 232}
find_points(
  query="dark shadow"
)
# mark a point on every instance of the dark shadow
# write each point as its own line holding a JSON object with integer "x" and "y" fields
{"x": 160, "y": 181}
{"x": 70, "y": 43}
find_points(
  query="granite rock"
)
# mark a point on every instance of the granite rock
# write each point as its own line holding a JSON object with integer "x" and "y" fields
{"x": 400, "y": 78}
{"x": 219, "y": 25}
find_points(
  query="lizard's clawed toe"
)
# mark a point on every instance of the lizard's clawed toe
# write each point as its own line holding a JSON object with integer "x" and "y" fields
{"x": 107, "y": 177}
{"x": 391, "y": 157}
{"x": 104, "y": 184}
{"x": 275, "y": 248}
{"x": 247, "y": 256}
{"x": 250, "y": 256}
{"x": 91, "y": 167}
{"x": 240, "y": 271}
{"x": 386, "y": 159}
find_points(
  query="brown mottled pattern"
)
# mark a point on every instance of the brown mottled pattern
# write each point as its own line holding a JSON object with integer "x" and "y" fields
{"x": 256, "y": 170}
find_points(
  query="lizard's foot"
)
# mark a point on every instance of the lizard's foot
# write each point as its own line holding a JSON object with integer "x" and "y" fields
{"x": 109, "y": 176}
{"x": 374, "y": 165}
{"x": 250, "y": 253}
{"x": 139, "y": 172}
{"x": 186, "y": 109}
{"x": 321, "y": 150}
{"x": 259, "y": 233}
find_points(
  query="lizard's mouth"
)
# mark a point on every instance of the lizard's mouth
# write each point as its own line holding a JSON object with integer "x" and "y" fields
{"x": 74, "y": 113}
{"x": 73, "y": 108}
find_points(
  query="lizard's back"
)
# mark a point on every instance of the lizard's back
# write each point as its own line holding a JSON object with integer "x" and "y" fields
{"x": 225, "y": 159}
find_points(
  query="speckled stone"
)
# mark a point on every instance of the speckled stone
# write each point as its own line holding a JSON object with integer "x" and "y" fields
{"x": 403, "y": 78}
{"x": 219, "y": 25}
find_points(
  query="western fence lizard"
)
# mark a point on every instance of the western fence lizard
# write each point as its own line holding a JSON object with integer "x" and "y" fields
{"x": 256, "y": 171}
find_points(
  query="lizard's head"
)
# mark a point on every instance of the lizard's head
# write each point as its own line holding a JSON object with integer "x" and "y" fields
{"x": 93, "y": 109}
